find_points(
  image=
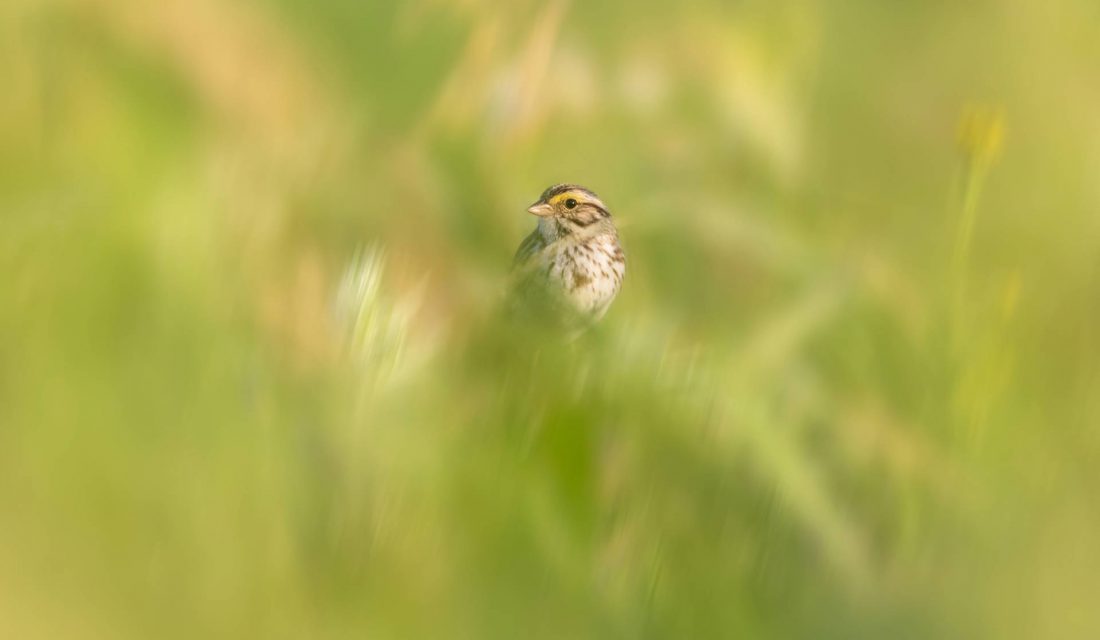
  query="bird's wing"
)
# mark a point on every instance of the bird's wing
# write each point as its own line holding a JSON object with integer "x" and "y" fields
{"x": 530, "y": 247}
{"x": 527, "y": 289}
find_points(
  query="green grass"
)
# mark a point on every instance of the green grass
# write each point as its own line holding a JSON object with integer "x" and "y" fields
{"x": 254, "y": 381}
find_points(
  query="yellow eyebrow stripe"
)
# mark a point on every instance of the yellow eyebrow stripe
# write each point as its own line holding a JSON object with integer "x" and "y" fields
{"x": 565, "y": 196}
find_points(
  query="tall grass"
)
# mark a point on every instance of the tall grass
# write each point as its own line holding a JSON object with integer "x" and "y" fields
{"x": 254, "y": 381}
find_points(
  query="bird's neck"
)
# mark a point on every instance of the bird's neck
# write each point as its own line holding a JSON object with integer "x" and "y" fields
{"x": 551, "y": 230}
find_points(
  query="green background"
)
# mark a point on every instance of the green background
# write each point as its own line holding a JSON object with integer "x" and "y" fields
{"x": 254, "y": 380}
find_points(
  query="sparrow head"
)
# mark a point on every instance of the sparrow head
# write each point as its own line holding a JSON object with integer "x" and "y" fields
{"x": 570, "y": 204}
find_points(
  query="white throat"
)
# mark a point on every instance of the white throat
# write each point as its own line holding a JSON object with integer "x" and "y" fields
{"x": 549, "y": 230}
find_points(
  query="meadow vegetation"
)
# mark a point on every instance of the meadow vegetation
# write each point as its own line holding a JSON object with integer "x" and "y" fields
{"x": 254, "y": 380}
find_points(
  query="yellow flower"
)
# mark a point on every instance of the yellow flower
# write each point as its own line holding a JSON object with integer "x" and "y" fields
{"x": 981, "y": 133}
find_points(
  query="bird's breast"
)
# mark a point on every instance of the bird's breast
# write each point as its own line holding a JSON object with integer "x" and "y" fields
{"x": 589, "y": 273}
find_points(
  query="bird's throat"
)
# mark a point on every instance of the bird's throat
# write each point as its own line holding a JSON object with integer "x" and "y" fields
{"x": 551, "y": 229}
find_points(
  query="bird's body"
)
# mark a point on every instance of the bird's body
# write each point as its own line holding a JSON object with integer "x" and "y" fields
{"x": 572, "y": 263}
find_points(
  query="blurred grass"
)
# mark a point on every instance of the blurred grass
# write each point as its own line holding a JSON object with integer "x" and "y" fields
{"x": 252, "y": 383}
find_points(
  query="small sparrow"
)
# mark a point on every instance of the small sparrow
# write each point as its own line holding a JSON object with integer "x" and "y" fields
{"x": 572, "y": 264}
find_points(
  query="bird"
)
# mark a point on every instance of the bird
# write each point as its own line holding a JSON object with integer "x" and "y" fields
{"x": 571, "y": 267}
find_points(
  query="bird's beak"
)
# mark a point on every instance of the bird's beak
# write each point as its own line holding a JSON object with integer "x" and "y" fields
{"x": 540, "y": 209}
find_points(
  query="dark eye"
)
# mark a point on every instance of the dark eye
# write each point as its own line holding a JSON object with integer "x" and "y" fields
{"x": 570, "y": 203}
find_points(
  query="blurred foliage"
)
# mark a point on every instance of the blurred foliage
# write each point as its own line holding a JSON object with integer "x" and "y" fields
{"x": 254, "y": 381}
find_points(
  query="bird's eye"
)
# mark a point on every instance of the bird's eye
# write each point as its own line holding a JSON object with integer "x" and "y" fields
{"x": 570, "y": 203}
